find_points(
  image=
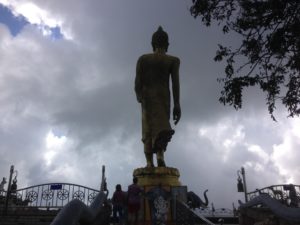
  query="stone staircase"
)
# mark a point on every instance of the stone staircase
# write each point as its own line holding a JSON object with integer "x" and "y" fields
{"x": 28, "y": 217}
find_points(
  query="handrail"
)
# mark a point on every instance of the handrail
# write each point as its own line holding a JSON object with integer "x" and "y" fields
{"x": 198, "y": 214}
{"x": 272, "y": 186}
{"x": 287, "y": 194}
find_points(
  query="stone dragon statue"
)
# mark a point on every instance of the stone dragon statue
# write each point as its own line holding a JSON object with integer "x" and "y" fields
{"x": 194, "y": 201}
{"x": 76, "y": 212}
{"x": 280, "y": 210}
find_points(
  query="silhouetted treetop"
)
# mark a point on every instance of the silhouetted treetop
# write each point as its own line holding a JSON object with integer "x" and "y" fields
{"x": 269, "y": 50}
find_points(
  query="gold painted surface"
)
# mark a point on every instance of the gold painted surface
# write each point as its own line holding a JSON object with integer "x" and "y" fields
{"x": 155, "y": 176}
{"x": 152, "y": 87}
{"x": 151, "y": 177}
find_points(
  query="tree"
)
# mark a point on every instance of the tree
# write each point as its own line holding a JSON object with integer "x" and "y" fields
{"x": 269, "y": 50}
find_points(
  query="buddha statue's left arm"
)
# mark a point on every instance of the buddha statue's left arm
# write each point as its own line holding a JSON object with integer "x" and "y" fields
{"x": 138, "y": 81}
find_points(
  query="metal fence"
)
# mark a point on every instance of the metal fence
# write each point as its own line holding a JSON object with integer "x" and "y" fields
{"x": 287, "y": 194}
{"x": 2, "y": 193}
{"x": 52, "y": 195}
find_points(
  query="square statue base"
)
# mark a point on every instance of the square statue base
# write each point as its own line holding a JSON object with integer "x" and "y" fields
{"x": 155, "y": 176}
{"x": 166, "y": 179}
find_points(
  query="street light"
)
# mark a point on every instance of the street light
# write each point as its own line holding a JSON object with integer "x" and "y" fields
{"x": 241, "y": 182}
{"x": 11, "y": 172}
{"x": 240, "y": 185}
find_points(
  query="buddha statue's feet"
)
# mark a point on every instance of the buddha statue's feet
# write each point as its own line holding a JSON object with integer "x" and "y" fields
{"x": 149, "y": 159}
{"x": 161, "y": 163}
{"x": 149, "y": 165}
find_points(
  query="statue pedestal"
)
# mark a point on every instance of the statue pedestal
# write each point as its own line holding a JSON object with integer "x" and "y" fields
{"x": 155, "y": 178}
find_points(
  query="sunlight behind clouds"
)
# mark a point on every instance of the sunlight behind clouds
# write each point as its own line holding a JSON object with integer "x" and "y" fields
{"x": 296, "y": 127}
{"x": 286, "y": 154}
{"x": 225, "y": 135}
{"x": 35, "y": 15}
{"x": 257, "y": 150}
{"x": 53, "y": 141}
{"x": 54, "y": 145}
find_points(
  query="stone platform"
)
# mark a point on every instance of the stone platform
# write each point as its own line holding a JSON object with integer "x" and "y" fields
{"x": 155, "y": 176}
{"x": 150, "y": 178}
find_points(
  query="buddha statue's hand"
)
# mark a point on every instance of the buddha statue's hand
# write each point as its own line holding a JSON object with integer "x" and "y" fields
{"x": 176, "y": 113}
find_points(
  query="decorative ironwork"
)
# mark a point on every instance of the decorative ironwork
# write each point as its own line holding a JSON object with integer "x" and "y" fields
{"x": 19, "y": 196}
{"x": 53, "y": 195}
{"x": 47, "y": 195}
{"x": 63, "y": 194}
{"x": 78, "y": 195}
{"x": 3, "y": 193}
{"x": 287, "y": 194}
{"x": 92, "y": 196}
{"x": 32, "y": 196}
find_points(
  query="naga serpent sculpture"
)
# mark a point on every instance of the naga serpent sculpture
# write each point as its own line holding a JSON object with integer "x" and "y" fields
{"x": 279, "y": 210}
{"x": 77, "y": 212}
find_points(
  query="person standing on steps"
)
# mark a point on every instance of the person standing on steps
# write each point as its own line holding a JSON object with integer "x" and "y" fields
{"x": 118, "y": 201}
{"x": 134, "y": 202}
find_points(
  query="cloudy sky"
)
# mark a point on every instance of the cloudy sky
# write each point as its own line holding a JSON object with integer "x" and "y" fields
{"x": 67, "y": 104}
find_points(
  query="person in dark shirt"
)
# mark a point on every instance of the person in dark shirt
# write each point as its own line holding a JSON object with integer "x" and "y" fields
{"x": 118, "y": 201}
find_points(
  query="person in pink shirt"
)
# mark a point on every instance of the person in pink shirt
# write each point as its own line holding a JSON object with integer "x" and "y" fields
{"x": 133, "y": 202}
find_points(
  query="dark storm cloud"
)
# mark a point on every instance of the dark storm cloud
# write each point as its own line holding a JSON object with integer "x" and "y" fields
{"x": 100, "y": 113}
{"x": 68, "y": 106}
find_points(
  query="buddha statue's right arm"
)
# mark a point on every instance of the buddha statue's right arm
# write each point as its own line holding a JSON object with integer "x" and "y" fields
{"x": 176, "y": 90}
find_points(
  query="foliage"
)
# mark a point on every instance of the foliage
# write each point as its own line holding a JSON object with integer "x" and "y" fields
{"x": 270, "y": 31}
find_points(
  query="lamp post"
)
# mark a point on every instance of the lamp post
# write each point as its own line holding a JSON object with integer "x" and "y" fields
{"x": 103, "y": 185}
{"x": 241, "y": 185}
{"x": 8, "y": 188}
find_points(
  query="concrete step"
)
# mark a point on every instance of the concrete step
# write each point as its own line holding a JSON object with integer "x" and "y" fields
{"x": 25, "y": 221}
{"x": 28, "y": 217}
